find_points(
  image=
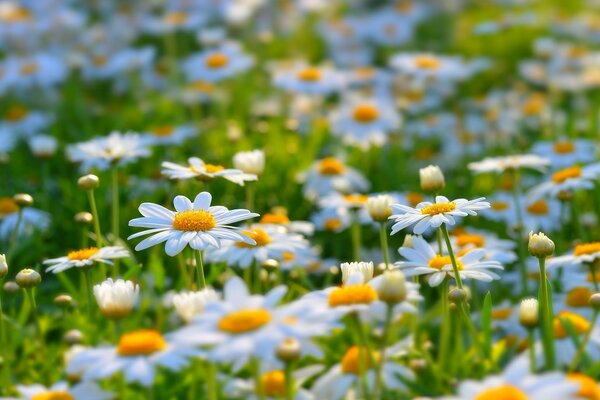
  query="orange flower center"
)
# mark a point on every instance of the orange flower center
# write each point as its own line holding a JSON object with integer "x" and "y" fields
{"x": 567, "y": 173}
{"x": 273, "y": 218}
{"x": 244, "y": 321}
{"x": 439, "y": 208}
{"x": 332, "y": 224}
{"x": 163, "y": 130}
{"x": 427, "y": 62}
{"x": 7, "y": 206}
{"x": 15, "y": 14}
{"x": 309, "y": 74}
{"x": 216, "y": 60}
{"x": 587, "y": 248}
{"x": 499, "y": 205}
{"x": 176, "y": 18}
{"x": 365, "y": 113}
{"x": 357, "y": 360}
{"x": 502, "y": 313}
{"x": 588, "y": 388}
{"x": 331, "y": 166}
{"x": 272, "y": 384}
{"x": 16, "y": 113}
{"x": 578, "y": 297}
{"x": 466, "y": 239}
{"x": 352, "y": 294}
{"x": 261, "y": 238}
{"x": 564, "y": 147}
{"x": 83, "y": 254}
{"x": 141, "y": 342}
{"x": 539, "y": 207}
{"x": 504, "y": 392}
{"x": 53, "y": 395}
{"x": 356, "y": 198}
{"x": 534, "y": 105}
{"x": 414, "y": 198}
{"x": 579, "y": 324}
{"x": 29, "y": 68}
{"x": 439, "y": 262}
{"x": 99, "y": 61}
{"x": 194, "y": 220}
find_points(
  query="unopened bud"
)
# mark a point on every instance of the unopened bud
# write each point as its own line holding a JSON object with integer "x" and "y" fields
{"x": 540, "y": 245}
{"x": 74, "y": 336}
{"x": 289, "y": 350}
{"x": 84, "y": 218}
{"x": 529, "y": 313}
{"x": 432, "y": 179}
{"x": 23, "y": 199}
{"x": 64, "y": 301}
{"x": 379, "y": 208}
{"x": 89, "y": 182}
{"x": 457, "y": 295}
{"x": 364, "y": 268}
{"x": 3, "y": 266}
{"x": 392, "y": 287}
{"x": 595, "y": 301}
{"x": 10, "y": 288}
{"x": 27, "y": 278}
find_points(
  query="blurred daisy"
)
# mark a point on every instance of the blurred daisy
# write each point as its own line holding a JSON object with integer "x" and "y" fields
{"x": 423, "y": 65}
{"x": 198, "y": 169}
{"x": 190, "y": 304}
{"x": 427, "y": 214}
{"x": 31, "y": 219}
{"x": 568, "y": 179}
{"x": 309, "y": 80}
{"x": 163, "y": 135}
{"x": 197, "y": 224}
{"x": 583, "y": 253}
{"x": 330, "y": 174}
{"x": 331, "y": 219}
{"x": 514, "y": 162}
{"x": 563, "y": 153}
{"x": 62, "y": 390}
{"x": 85, "y": 258}
{"x": 421, "y": 259}
{"x": 24, "y": 121}
{"x": 497, "y": 249}
{"x": 281, "y": 219}
{"x": 216, "y": 64}
{"x": 565, "y": 348}
{"x": 43, "y": 146}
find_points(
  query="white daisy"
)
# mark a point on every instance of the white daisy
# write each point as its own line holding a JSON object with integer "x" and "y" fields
{"x": 116, "y": 298}
{"x": 31, "y": 219}
{"x": 198, "y": 169}
{"x": 163, "y": 135}
{"x": 563, "y": 153}
{"x": 427, "y": 214}
{"x": 583, "y": 253}
{"x": 514, "y": 162}
{"x": 309, "y": 80}
{"x": 189, "y": 304}
{"x": 85, "y": 258}
{"x": 197, "y": 224}
{"x": 330, "y": 174}
{"x": 216, "y": 64}
{"x": 62, "y": 390}
{"x": 568, "y": 179}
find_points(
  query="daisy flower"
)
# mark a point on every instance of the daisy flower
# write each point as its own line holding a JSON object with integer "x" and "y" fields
{"x": 198, "y": 169}
{"x": 216, "y": 64}
{"x": 163, "y": 135}
{"x": 422, "y": 65}
{"x": 563, "y": 152}
{"x": 62, "y": 390}
{"x": 102, "y": 153}
{"x": 421, "y": 259}
{"x": 32, "y": 219}
{"x": 85, "y": 258}
{"x": 514, "y": 162}
{"x": 137, "y": 356}
{"x": 567, "y": 179}
{"x": 583, "y": 253}
{"x": 309, "y": 80}
{"x": 198, "y": 224}
{"x": 280, "y": 218}
{"x": 427, "y": 214}
{"x": 329, "y": 175}
{"x": 331, "y": 219}
{"x": 497, "y": 249}
{"x": 565, "y": 348}
{"x": 189, "y": 304}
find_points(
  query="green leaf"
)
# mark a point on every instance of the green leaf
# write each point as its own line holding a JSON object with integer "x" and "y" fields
{"x": 486, "y": 322}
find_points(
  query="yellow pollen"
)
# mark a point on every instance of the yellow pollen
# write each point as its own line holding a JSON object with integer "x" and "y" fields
{"x": 564, "y": 147}
{"x": 499, "y": 206}
{"x": 244, "y": 320}
{"x": 331, "y": 166}
{"x": 356, "y": 198}
{"x": 216, "y": 60}
{"x": 365, "y": 72}
{"x": 272, "y": 384}
{"x": 439, "y": 262}
{"x": 357, "y": 360}
{"x": 365, "y": 113}
{"x": 504, "y": 392}
{"x": 176, "y": 18}
{"x": 83, "y": 254}
{"x": 352, "y": 294}
{"x": 7, "y": 206}
{"x": 332, "y": 224}
{"x": 539, "y": 207}
{"x": 580, "y": 325}
{"x": 427, "y": 62}
{"x": 424, "y": 153}
{"x": 586, "y": 249}
{"x": 466, "y": 239}
{"x": 16, "y": 113}
{"x": 163, "y": 130}
{"x": 261, "y": 238}
{"x": 404, "y": 6}
{"x": 578, "y": 297}
{"x": 310, "y": 74}
{"x": 29, "y": 68}
{"x": 534, "y": 105}
{"x": 413, "y": 198}
{"x": 275, "y": 219}
{"x": 53, "y": 395}
{"x": 438, "y": 208}
{"x": 141, "y": 342}
{"x": 588, "y": 388}
{"x": 567, "y": 173}
{"x": 194, "y": 220}
{"x": 15, "y": 14}
{"x": 502, "y": 313}
{"x": 287, "y": 256}
{"x": 99, "y": 61}
{"x": 202, "y": 87}
{"x": 507, "y": 183}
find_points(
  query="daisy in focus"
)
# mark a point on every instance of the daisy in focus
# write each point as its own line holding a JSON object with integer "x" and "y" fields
{"x": 86, "y": 258}
{"x": 198, "y": 169}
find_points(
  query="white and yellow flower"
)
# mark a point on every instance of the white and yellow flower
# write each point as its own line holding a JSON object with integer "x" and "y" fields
{"x": 86, "y": 258}
{"x": 63, "y": 391}
{"x": 330, "y": 175}
{"x": 198, "y": 169}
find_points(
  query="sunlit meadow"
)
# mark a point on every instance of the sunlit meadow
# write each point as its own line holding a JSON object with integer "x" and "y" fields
{"x": 299, "y": 199}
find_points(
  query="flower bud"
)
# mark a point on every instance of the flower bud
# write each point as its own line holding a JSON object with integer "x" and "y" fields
{"x": 23, "y": 199}
{"x": 392, "y": 287}
{"x": 250, "y": 162}
{"x": 43, "y": 146}
{"x": 116, "y": 298}
{"x": 529, "y": 313}
{"x": 540, "y": 245}
{"x": 289, "y": 350}
{"x": 10, "y": 287}
{"x": 595, "y": 301}
{"x": 88, "y": 182}
{"x": 74, "y": 336}
{"x": 432, "y": 179}
{"x": 28, "y": 278}
{"x": 64, "y": 301}
{"x": 379, "y": 208}
{"x": 189, "y": 304}
{"x": 457, "y": 295}
{"x": 364, "y": 268}
{"x": 3, "y": 266}
{"x": 84, "y": 218}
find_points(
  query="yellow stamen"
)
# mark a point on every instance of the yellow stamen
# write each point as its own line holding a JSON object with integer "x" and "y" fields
{"x": 352, "y": 294}
{"x": 357, "y": 360}
{"x": 438, "y": 208}
{"x": 244, "y": 320}
{"x": 356, "y": 198}
{"x": 587, "y": 249}
{"x": 29, "y": 68}
{"x": 261, "y": 238}
{"x": 272, "y": 384}
{"x": 141, "y": 342}
{"x": 503, "y": 392}
{"x": 466, "y": 239}
{"x": 567, "y": 173}
{"x": 16, "y": 113}
{"x": 564, "y": 147}
{"x": 414, "y": 198}
{"x": 332, "y": 224}
{"x": 310, "y": 74}
{"x": 216, "y": 60}
{"x": 502, "y": 313}
{"x": 212, "y": 168}
{"x": 287, "y": 256}
{"x": 439, "y": 262}
{"x": 7, "y": 206}
{"x": 274, "y": 218}
{"x": 53, "y": 395}
{"x": 99, "y": 61}
{"x": 579, "y": 324}
{"x": 578, "y": 297}
{"x": 83, "y": 254}
{"x": 194, "y": 220}
{"x": 202, "y": 87}
{"x": 365, "y": 113}
{"x": 176, "y": 18}
{"x": 534, "y": 105}
{"x": 539, "y": 207}
{"x": 14, "y": 14}
{"x": 163, "y": 130}
{"x": 331, "y": 166}
{"x": 588, "y": 387}
{"x": 499, "y": 205}
{"x": 427, "y": 62}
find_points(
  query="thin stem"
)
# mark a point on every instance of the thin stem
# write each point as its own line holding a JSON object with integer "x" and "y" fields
{"x": 379, "y": 383}
{"x": 115, "y": 214}
{"x": 211, "y": 381}
{"x": 384, "y": 245}
{"x": 451, "y": 254}
{"x": 88, "y": 284}
{"x": 257, "y": 382}
{"x": 594, "y": 277}
{"x": 547, "y": 318}
{"x": 94, "y": 209}
{"x": 584, "y": 342}
{"x": 257, "y": 278}
{"x": 249, "y": 195}
{"x": 31, "y": 298}
{"x": 445, "y": 327}
{"x": 355, "y": 236}
{"x": 531, "y": 343}
{"x": 516, "y": 192}
{"x": 200, "y": 281}
{"x": 15, "y": 235}
{"x": 289, "y": 381}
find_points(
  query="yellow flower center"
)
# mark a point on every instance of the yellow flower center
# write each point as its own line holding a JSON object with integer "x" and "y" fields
{"x": 365, "y": 113}
{"x": 580, "y": 325}
{"x": 357, "y": 360}
{"x": 29, "y": 68}
{"x": 567, "y": 173}
{"x": 310, "y": 74}
{"x": 202, "y": 87}
{"x": 534, "y": 105}
{"x": 272, "y": 384}
{"x": 261, "y": 238}
{"x": 141, "y": 342}
{"x": 502, "y": 313}
{"x": 564, "y": 147}
{"x": 578, "y": 297}
{"x": 331, "y": 166}
{"x": 588, "y": 388}
{"x": 15, "y": 14}
{"x": 499, "y": 205}
{"x": 356, "y": 198}
{"x": 414, "y": 198}
{"x": 244, "y": 321}
{"x": 7, "y": 206}
{"x": 352, "y": 294}
{"x": 216, "y": 60}
{"x": 465, "y": 239}
{"x": 274, "y": 218}
{"x": 504, "y": 392}
{"x": 439, "y": 262}
{"x": 53, "y": 395}
{"x": 83, "y": 254}
{"x": 287, "y": 256}
{"x": 194, "y": 220}
{"x": 332, "y": 224}
{"x": 587, "y": 248}
{"x": 99, "y": 61}
{"x": 404, "y": 6}
{"x": 163, "y": 130}
{"x": 16, "y": 113}
{"x": 365, "y": 72}
{"x": 438, "y": 208}
{"x": 539, "y": 207}
{"x": 427, "y": 62}
{"x": 176, "y": 18}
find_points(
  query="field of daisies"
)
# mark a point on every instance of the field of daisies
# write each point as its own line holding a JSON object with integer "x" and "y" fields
{"x": 300, "y": 199}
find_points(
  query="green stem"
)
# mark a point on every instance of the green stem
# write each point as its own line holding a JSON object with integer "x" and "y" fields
{"x": 355, "y": 236}
{"x": 88, "y": 284}
{"x": 257, "y": 383}
{"x": 594, "y": 277}
{"x": 451, "y": 254}
{"x": 249, "y": 195}
{"x": 531, "y": 342}
{"x": 379, "y": 383}
{"x": 584, "y": 342}
{"x": 257, "y": 278}
{"x": 289, "y": 381}
{"x": 384, "y": 245}
{"x": 15, "y": 235}
{"x": 547, "y": 317}
{"x": 200, "y": 281}
{"x": 445, "y": 327}
{"x": 94, "y": 209}
{"x": 115, "y": 214}
{"x": 520, "y": 242}
{"x": 34, "y": 313}
{"x": 184, "y": 272}
{"x": 211, "y": 381}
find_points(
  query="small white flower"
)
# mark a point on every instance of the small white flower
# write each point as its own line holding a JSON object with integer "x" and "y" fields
{"x": 43, "y": 146}
{"x": 514, "y": 162}
{"x": 198, "y": 169}
{"x": 250, "y": 162}
{"x": 189, "y": 304}
{"x": 62, "y": 390}
{"x": 116, "y": 298}
{"x": 85, "y": 258}
{"x": 432, "y": 178}
{"x": 363, "y": 268}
